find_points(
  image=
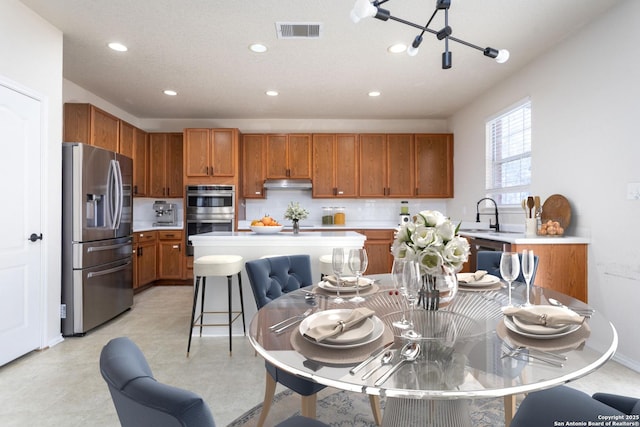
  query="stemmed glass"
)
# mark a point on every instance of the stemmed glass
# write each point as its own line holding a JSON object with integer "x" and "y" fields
{"x": 358, "y": 263}
{"x": 527, "y": 270}
{"x": 509, "y": 269}
{"x": 412, "y": 281}
{"x": 398, "y": 284}
{"x": 337, "y": 264}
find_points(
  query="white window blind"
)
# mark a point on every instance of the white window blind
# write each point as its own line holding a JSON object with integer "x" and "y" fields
{"x": 508, "y": 156}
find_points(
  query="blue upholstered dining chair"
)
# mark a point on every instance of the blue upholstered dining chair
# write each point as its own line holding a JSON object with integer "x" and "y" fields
{"x": 547, "y": 407}
{"x": 490, "y": 262}
{"x": 270, "y": 278}
{"x": 142, "y": 401}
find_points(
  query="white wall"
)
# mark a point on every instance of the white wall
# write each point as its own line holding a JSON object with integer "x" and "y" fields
{"x": 31, "y": 52}
{"x": 585, "y": 98}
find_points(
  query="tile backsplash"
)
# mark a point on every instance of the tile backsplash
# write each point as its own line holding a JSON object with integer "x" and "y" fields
{"x": 356, "y": 209}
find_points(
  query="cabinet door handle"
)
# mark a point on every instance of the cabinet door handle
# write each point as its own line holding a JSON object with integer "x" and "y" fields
{"x": 135, "y": 189}
{"x": 169, "y": 235}
{"x": 340, "y": 193}
{"x": 258, "y": 193}
{"x": 176, "y": 247}
{"x": 140, "y": 251}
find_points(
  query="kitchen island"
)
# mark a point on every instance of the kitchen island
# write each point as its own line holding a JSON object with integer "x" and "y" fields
{"x": 252, "y": 246}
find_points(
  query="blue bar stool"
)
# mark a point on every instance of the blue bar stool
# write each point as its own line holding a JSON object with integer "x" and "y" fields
{"x": 216, "y": 265}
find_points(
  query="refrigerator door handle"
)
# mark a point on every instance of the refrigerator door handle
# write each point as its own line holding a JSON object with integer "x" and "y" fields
{"x": 108, "y": 247}
{"x": 116, "y": 197}
{"x": 108, "y": 271}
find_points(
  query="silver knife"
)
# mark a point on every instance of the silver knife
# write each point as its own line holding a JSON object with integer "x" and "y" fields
{"x": 369, "y": 359}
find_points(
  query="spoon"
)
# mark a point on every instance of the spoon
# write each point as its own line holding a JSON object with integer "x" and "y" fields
{"x": 408, "y": 353}
{"x": 386, "y": 359}
{"x": 530, "y": 204}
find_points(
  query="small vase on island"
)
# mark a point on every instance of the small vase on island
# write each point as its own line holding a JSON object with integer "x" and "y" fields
{"x": 296, "y": 226}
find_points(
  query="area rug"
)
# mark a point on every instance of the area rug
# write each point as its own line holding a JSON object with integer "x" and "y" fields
{"x": 346, "y": 409}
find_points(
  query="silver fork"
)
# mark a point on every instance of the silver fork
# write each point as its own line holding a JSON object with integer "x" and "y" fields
{"x": 286, "y": 323}
{"x": 512, "y": 352}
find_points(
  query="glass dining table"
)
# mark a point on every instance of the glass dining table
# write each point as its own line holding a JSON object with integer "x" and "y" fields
{"x": 468, "y": 350}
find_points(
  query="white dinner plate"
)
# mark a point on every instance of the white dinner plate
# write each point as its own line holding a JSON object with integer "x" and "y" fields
{"x": 508, "y": 322}
{"x": 354, "y": 338}
{"x": 541, "y": 329}
{"x": 487, "y": 280}
{"x": 538, "y": 329}
{"x": 348, "y": 284}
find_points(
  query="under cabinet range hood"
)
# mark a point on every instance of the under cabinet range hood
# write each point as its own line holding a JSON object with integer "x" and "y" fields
{"x": 287, "y": 184}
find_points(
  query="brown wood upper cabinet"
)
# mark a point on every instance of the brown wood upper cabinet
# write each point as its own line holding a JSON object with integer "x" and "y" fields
{"x": 335, "y": 165}
{"x": 289, "y": 156}
{"x": 254, "y": 153}
{"x": 210, "y": 153}
{"x": 90, "y": 125}
{"x": 133, "y": 143}
{"x": 434, "y": 165}
{"x": 165, "y": 165}
{"x": 386, "y": 165}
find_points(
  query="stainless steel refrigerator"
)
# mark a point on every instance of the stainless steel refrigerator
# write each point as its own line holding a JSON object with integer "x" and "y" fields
{"x": 97, "y": 260}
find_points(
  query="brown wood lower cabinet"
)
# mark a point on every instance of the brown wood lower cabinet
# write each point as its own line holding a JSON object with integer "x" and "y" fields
{"x": 159, "y": 259}
{"x": 145, "y": 254}
{"x": 560, "y": 267}
{"x": 170, "y": 253}
{"x": 378, "y": 246}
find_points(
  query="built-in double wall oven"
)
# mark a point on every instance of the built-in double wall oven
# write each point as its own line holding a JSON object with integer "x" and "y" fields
{"x": 209, "y": 208}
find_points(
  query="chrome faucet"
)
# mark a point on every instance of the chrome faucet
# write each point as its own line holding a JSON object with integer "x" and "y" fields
{"x": 496, "y": 226}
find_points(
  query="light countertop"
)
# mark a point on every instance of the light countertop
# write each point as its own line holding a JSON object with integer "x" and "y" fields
{"x": 521, "y": 239}
{"x": 350, "y": 225}
{"x": 148, "y": 226}
{"x": 312, "y": 238}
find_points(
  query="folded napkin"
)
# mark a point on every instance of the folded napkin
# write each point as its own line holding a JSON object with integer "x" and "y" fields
{"x": 350, "y": 281}
{"x": 551, "y": 320}
{"x": 322, "y": 332}
{"x": 472, "y": 277}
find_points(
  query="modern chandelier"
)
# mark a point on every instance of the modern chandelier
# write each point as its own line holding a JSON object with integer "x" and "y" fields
{"x": 367, "y": 9}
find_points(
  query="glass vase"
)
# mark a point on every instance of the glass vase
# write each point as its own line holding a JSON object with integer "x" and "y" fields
{"x": 438, "y": 289}
{"x": 296, "y": 226}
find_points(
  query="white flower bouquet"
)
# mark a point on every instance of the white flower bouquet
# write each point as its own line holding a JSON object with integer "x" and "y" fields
{"x": 432, "y": 240}
{"x": 295, "y": 212}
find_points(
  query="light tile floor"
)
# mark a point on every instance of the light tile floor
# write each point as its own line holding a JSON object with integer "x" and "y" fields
{"x": 63, "y": 386}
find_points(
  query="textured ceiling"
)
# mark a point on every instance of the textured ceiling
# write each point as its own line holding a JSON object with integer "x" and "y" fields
{"x": 200, "y": 49}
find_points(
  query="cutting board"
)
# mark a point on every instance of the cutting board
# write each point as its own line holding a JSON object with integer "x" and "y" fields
{"x": 557, "y": 208}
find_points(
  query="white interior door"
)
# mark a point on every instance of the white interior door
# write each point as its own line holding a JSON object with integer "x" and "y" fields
{"x": 21, "y": 285}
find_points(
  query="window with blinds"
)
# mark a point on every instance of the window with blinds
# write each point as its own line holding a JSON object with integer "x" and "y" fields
{"x": 508, "y": 157}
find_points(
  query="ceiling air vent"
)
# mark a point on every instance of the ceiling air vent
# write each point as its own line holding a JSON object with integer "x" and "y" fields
{"x": 299, "y": 30}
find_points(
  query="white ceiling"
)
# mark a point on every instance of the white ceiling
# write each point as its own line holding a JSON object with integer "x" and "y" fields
{"x": 200, "y": 49}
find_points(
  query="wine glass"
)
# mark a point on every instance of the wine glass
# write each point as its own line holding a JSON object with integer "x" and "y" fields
{"x": 337, "y": 264}
{"x": 527, "y": 270}
{"x": 358, "y": 263}
{"x": 509, "y": 269}
{"x": 398, "y": 284}
{"x": 412, "y": 281}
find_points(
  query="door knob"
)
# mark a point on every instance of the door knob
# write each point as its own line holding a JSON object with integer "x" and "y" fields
{"x": 35, "y": 237}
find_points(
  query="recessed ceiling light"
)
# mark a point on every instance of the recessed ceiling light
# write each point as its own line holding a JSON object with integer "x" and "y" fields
{"x": 118, "y": 47}
{"x": 170, "y": 92}
{"x": 258, "y": 48}
{"x": 397, "y": 48}
{"x": 272, "y": 92}
{"x": 374, "y": 93}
